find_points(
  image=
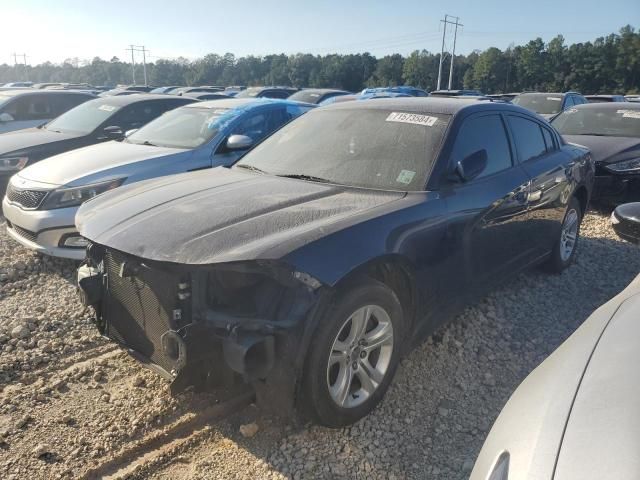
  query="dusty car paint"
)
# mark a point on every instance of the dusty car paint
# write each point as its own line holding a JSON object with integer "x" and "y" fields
{"x": 300, "y": 241}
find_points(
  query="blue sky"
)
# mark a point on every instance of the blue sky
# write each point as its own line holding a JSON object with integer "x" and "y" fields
{"x": 55, "y": 30}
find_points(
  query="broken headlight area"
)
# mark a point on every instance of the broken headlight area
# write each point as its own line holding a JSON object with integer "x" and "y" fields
{"x": 216, "y": 323}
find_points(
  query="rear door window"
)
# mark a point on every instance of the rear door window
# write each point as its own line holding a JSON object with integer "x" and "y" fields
{"x": 31, "y": 107}
{"x": 528, "y": 138}
{"x": 484, "y": 132}
{"x": 548, "y": 139}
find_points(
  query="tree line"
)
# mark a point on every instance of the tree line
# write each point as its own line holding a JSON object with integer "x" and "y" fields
{"x": 608, "y": 64}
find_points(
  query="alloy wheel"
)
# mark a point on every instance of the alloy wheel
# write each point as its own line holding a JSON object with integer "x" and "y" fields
{"x": 569, "y": 234}
{"x": 360, "y": 356}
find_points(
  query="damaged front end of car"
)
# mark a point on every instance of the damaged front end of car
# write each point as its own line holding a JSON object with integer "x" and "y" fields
{"x": 206, "y": 325}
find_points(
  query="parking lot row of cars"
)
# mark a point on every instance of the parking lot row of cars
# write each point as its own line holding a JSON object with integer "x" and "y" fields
{"x": 304, "y": 249}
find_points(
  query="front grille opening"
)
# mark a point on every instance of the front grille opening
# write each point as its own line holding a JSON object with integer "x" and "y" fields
{"x": 23, "y": 232}
{"x": 26, "y": 198}
{"x": 139, "y": 307}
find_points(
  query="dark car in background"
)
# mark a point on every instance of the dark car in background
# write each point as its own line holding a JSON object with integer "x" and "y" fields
{"x": 314, "y": 264}
{"x": 548, "y": 105}
{"x": 95, "y": 121}
{"x": 605, "y": 98}
{"x": 316, "y": 95}
{"x": 457, "y": 93}
{"x": 612, "y": 132}
{"x": 32, "y": 107}
{"x": 165, "y": 89}
{"x": 266, "y": 92}
{"x": 204, "y": 96}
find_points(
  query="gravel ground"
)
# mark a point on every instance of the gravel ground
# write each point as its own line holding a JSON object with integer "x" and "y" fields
{"x": 71, "y": 403}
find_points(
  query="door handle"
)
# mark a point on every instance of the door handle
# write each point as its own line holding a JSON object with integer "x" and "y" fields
{"x": 535, "y": 196}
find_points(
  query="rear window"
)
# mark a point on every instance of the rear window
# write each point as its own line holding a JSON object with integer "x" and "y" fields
{"x": 539, "y": 103}
{"x": 381, "y": 149}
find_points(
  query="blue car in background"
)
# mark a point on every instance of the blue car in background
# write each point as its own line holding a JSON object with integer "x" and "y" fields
{"x": 363, "y": 96}
{"x": 406, "y": 89}
{"x": 42, "y": 199}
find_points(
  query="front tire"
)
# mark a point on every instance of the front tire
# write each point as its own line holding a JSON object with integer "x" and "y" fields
{"x": 354, "y": 355}
{"x": 564, "y": 251}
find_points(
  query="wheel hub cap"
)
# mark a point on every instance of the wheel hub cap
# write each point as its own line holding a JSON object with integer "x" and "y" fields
{"x": 360, "y": 356}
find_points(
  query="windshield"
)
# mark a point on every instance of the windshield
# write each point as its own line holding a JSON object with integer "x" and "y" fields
{"x": 539, "y": 103}
{"x": 249, "y": 93}
{"x": 186, "y": 127}
{"x": 381, "y": 149}
{"x": 310, "y": 96}
{"x": 84, "y": 118}
{"x": 620, "y": 122}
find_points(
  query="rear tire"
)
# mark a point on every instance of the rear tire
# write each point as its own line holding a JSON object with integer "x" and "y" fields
{"x": 564, "y": 251}
{"x": 353, "y": 355}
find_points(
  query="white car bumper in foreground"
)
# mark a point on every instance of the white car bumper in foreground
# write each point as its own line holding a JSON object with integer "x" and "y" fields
{"x": 51, "y": 232}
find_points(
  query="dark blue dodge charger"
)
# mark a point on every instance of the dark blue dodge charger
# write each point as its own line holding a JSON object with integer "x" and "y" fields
{"x": 312, "y": 265}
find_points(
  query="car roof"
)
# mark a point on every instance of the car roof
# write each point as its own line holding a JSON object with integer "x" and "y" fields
{"x": 604, "y": 95}
{"x": 439, "y": 105}
{"x": 320, "y": 90}
{"x": 246, "y": 103}
{"x": 18, "y": 92}
{"x": 121, "y": 100}
{"x": 609, "y": 106}
{"x": 271, "y": 88}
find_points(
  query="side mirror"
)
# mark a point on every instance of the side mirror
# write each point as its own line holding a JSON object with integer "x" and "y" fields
{"x": 6, "y": 117}
{"x": 625, "y": 220}
{"x": 131, "y": 132}
{"x": 239, "y": 142}
{"x": 471, "y": 166}
{"x": 114, "y": 132}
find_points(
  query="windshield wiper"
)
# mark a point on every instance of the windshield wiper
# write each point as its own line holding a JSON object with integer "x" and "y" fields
{"x": 250, "y": 167}
{"x": 311, "y": 178}
{"x": 591, "y": 134}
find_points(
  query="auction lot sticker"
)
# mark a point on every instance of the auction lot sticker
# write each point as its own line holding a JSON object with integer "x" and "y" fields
{"x": 630, "y": 113}
{"x": 413, "y": 118}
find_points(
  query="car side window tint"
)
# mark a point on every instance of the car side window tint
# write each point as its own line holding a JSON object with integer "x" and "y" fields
{"x": 486, "y": 132}
{"x": 528, "y": 138}
{"x": 62, "y": 103}
{"x": 569, "y": 102}
{"x": 254, "y": 126}
{"x": 136, "y": 115}
{"x": 30, "y": 107}
{"x": 548, "y": 139}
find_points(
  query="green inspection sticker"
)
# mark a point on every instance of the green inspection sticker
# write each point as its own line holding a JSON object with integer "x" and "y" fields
{"x": 406, "y": 176}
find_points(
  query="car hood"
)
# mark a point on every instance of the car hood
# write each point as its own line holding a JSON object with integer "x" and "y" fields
{"x": 608, "y": 149}
{"x": 222, "y": 216}
{"x": 602, "y": 437}
{"x": 66, "y": 167}
{"x": 531, "y": 425}
{"x": 31, "y": 137}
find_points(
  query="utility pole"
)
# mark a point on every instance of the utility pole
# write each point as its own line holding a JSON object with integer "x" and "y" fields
{"x": 143, "y": 49}
{"x": 133, "y": 65}
{"x": 444, "y": 33}
{"x": 453, "y": 54}
{"x": 446, "y": 22}
{"x": 144, "y": 65}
